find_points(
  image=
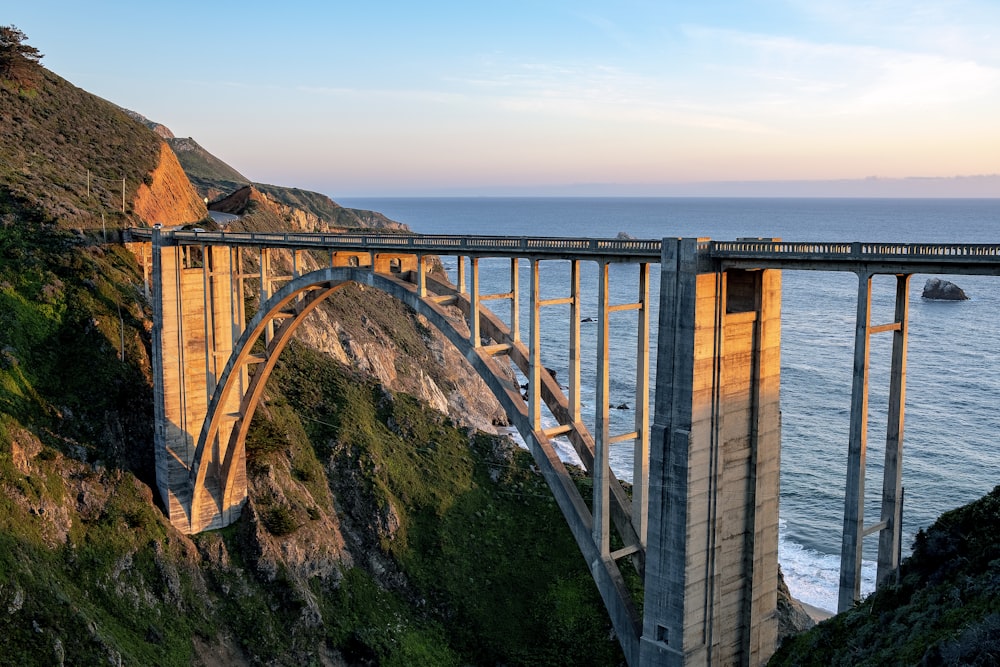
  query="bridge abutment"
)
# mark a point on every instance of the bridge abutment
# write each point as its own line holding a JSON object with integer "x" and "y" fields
{"x": 712, "y": 554}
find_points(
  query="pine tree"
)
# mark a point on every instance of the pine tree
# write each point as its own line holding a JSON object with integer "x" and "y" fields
{"x": 18, "y": 60}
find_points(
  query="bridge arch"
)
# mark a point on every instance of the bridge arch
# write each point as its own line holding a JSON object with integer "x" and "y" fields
{"x": 290, "y": 305}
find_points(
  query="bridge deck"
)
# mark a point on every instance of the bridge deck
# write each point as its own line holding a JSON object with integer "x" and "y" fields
{"x": 867, "y": 257}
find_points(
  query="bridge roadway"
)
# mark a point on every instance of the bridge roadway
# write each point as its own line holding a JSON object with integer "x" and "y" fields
{"x": 882, "y": 258}
{"x": 701, "y": 525}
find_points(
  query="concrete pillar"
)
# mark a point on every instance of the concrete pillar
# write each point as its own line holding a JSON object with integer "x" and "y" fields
{"x": 854, "y": 492}
{"x": 265, "y": 289}
{"x": 192, "y": 340}
{"x": 574, "y": 342}
{"x": 421, "y": 277}
{"x": 602, "y": 419}
{"x": 711, "y": 559}
{"x": 515, "y": 300}
{"x": 640, "y": 452}
{"x": 534, "y": 352}
{"x": 474, "y": 335}
{"x": 892, "y": 481}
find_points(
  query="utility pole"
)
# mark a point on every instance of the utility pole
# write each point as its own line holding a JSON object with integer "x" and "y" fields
{"x": 123, "y": 194}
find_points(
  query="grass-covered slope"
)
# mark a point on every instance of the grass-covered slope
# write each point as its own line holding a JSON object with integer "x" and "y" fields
{"x": 461, "y": 528}
{"x": 210, "y": 175}
{"x": 65, "y": 152}
{"x": 945, "y": 610}
{"x": 376, "y": 532}
{"x": 458, "y": 556}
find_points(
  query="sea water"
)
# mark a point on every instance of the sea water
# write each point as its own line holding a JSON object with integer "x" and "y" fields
{"x": 953, "y": 385}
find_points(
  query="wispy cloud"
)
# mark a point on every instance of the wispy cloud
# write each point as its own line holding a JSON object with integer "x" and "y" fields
{"x": 842, "y": 78}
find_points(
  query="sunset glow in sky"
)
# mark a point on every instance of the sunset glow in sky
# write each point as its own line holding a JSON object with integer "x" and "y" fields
{"x": 383, "y": 98}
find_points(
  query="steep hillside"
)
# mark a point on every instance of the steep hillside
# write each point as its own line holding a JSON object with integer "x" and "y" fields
{"x": 80, "y": 160}
{"x": 945, "y": 610}
{"x": 302, "y": 210}
{"x": 325, "y": 211}
{"x": 226, "y": 189}
{"x": 212, "y": 177}
{"x": 377, "y": 530}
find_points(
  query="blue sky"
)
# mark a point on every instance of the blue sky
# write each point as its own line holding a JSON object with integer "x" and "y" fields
{"x": 398, "y": 98}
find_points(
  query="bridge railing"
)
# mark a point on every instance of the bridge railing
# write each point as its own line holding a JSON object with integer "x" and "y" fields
{"x": 857, "y": 251}
{"x": 626, "y": 249}
{"x": 642, "y": 249}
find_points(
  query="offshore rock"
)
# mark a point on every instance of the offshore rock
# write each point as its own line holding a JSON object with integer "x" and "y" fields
{"x": 943, "y": 290}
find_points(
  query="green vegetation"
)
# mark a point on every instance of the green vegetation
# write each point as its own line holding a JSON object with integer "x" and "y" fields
{"x": 474, "y": 529}
{"x": 207, "y": 173}
{"x": 945, "y": 610}
{"x": 64, "y": 154}
{"x": 326, "y": 209}
{"x": 377, "y": 532}
{"x": 18, "y": 60}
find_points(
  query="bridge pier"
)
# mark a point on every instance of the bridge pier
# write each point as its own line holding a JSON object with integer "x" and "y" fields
{"x": 712, "y": 551}
{"x": 197, "y": 314}
{"x": 889, "y": 527}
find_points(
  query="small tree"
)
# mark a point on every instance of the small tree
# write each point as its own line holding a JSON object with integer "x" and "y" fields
{"x": 18, "y": 61}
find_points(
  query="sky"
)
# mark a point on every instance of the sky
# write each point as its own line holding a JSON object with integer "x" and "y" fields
{"x": 377, "y": 98}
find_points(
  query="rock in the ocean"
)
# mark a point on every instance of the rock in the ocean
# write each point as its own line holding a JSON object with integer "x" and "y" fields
{"x": 943, "y": 290}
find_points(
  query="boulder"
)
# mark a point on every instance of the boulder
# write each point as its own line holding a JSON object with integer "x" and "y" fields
{"x": 943, "y": 290}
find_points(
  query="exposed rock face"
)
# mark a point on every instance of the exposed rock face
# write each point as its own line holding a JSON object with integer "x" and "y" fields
{"x": 792, "y": 616}
{"x": 302, "y": 210}
{"x": 943, "y": 290}
{"x": 169, "y": 199}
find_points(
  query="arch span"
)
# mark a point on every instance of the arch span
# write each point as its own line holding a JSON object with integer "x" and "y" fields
{"x": 289, "y": 306}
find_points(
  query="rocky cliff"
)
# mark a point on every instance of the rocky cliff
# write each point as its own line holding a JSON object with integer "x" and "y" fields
{"x": 376, "y": 335}
{"x": 166, "y": 195}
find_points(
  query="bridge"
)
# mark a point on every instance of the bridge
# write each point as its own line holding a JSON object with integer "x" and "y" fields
{"x": 701, "y": 523}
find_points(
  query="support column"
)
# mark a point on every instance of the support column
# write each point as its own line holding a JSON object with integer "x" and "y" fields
{"x": 854, "y": 494}
{"x": 474, "y": 335}
{"x": 421, "y": 277}
{"x": 515, "y": 301}
{"x": 892, "y": 481}
{"x": 460, "y": 274}
{"x": 663, "y": 642}
{"x": 193, "y": 314}
{"x": 640, "y": 453}
{"x": 534, "y": 353}
{"x": 574, "y": 342}
{"x": 602, "y": 418}
{"x": 265, "y": 289}
{"x": 711, "y": 557}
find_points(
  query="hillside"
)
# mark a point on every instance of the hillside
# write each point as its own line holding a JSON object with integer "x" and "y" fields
{"x": 81, "y": 162}
{"x": 945, "y": 610}
{"x": 384, "y": 525}
{"x": 212, "y": 177}
{"x": 378, "y": 530}
{"x": 302, "y": 210}
{"x": 225, "y": 188}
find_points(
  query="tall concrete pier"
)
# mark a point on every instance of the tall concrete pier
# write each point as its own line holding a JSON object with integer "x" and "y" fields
{"x": 711, "y": 596}
{"x": 198, "y": 313}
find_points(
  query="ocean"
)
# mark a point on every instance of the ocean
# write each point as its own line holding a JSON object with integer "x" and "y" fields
{"x": 953, "y": 385}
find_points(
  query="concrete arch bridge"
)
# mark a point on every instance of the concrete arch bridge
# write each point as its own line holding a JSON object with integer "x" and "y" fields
{"x": 701, "y": 524}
